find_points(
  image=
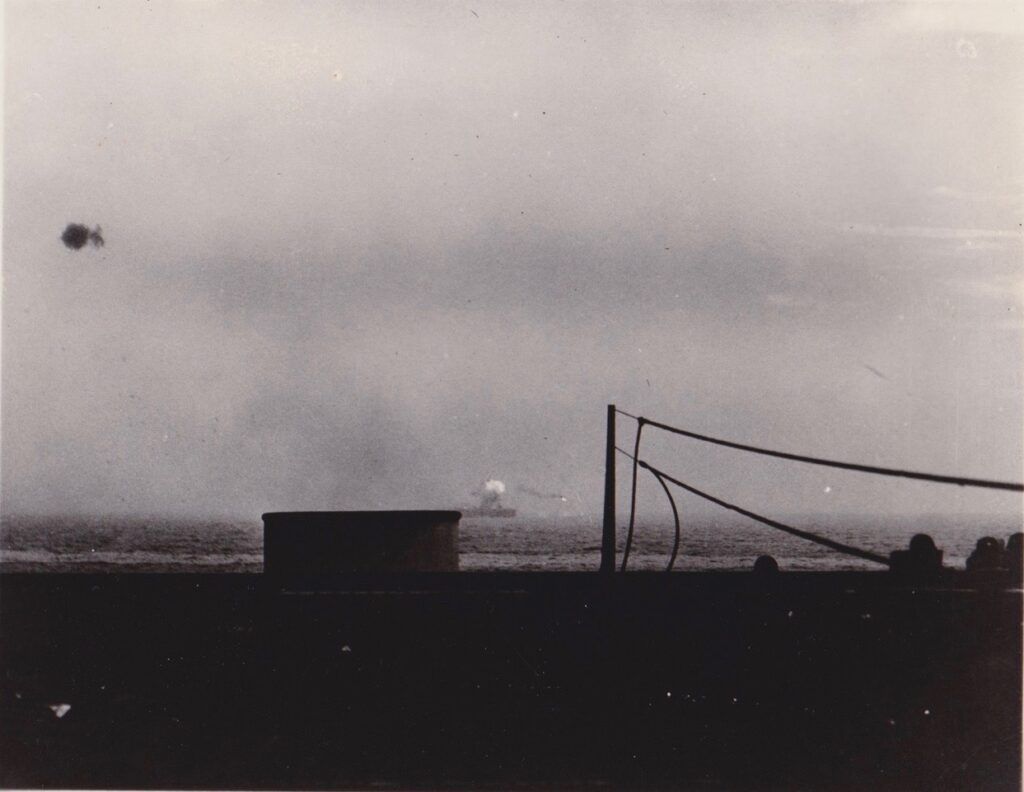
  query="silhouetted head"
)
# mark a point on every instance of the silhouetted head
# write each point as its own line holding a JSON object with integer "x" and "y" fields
{"x": 922, "y": 559}
{"x": 922, "y": 546}
{"x": 988, "y": 553}
{"x": 1013, "y": 558}
{"x": 987, "y": 545}
{"x": 766, "y": 565}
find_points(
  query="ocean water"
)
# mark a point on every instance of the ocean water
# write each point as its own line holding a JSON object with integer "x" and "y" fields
{"x": 69, "y": 544}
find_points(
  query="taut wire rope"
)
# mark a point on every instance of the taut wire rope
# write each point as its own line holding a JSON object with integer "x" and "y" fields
{"x": 879, "y": 471}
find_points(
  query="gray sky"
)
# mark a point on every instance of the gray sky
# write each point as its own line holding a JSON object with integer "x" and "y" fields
{"x": 368, "y": 256}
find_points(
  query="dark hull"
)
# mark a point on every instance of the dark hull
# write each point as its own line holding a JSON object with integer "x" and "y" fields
{"x": 807, "y": 681}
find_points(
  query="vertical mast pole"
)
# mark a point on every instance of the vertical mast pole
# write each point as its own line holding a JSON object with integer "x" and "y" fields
{"x": 608, "y": 534}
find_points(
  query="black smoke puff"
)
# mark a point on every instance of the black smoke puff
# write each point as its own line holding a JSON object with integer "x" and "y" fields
{"x": 76, "y": 236}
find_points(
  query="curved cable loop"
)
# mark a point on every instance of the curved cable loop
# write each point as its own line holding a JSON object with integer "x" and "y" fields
{"x": 675, "y": 516}
{"x": 632, "y": 501}
{"x": 839, "y": 546}
{"x": 879, "y": 471}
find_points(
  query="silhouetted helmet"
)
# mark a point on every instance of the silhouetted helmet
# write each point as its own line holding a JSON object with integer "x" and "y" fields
{"x": 766, "y": 565}
{"x": 923, "y": 545}
{"x": 987, "y": 554}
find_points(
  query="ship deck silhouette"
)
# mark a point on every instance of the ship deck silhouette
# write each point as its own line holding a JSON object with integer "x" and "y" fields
{"x": 904, "y": 678}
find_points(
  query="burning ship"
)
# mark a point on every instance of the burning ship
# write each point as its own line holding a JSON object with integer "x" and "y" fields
{"x": 490, "y": 502}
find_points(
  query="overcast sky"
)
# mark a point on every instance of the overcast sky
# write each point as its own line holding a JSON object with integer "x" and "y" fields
{"x": 365, "y": 255}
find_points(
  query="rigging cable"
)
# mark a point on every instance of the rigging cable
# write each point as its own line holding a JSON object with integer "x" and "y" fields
{"x": 842, "y": 548}
{"x": 672, "y": 503}
{"x": 880, "y": 471}
{"x": 675, "y": 516}
{"x": 632, "y": 501}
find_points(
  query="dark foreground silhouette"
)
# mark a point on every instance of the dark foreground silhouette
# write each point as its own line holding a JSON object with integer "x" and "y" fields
{"x": 704, "y": 680}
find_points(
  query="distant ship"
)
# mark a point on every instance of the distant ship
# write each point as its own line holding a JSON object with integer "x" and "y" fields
{"x": 499, "y": 511}
{"x": 490, "y": 502}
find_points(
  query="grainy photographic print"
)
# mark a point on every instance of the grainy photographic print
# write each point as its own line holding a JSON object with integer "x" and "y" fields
{"x": 490, "y": 395}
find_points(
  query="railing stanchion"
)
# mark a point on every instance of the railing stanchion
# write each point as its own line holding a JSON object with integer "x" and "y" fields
{"x": 608, "y": 533}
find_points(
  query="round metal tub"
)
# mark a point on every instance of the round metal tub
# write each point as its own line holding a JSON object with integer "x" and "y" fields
{"x": 345, "y": 542}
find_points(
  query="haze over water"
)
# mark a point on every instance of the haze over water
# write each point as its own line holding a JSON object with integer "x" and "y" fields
{"x": 365, "y": 256}
{"x": 567, "y": 543}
